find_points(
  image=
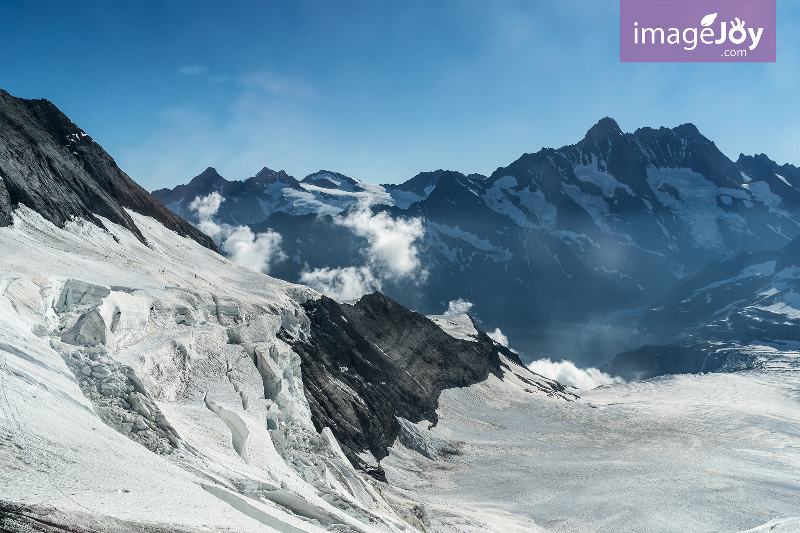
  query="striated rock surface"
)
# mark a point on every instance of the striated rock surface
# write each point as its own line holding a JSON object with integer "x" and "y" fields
{"x": 52, "y": 166}
{"x": 366, "y": 364}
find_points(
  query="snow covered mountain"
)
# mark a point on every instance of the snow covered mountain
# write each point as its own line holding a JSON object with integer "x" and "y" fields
{"x": 150, "y": 384}
{"x": 54, "y": 167}
{"x": 563, "y": 249}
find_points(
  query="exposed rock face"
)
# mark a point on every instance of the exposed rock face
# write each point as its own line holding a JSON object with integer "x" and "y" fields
{"x": 246, "y": 200}
{"x": 52, "y": 166}
{"x": 753, "y": 297}
{"x": 650, "y": 361}
{"x": 783, "y": 179}
{"x": 367, "y": 364}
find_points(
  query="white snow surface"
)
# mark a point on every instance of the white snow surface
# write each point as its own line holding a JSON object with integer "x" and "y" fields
{"x": 764, "y": 194}
{"x": 605, "y": 181}
{"x": 762, "y": 269}
{"x": 497, "y": 200}
{"x": 700, "y": 453}
{"x": 697, "y": 205}
{"x": 196, "y": 332}
{"x": 458, "y": 326}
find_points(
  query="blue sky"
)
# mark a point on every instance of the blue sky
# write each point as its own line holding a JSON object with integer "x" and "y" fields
{"x": 379, "y": 90}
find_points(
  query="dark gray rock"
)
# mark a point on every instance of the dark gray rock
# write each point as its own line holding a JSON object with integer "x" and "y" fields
{"x": 421, "y": 184}
{"x": 245, "y": 201}
{"x": 367, "y": 364}
{"x": 649, "y": 361}
{"x": 52, "y": 166}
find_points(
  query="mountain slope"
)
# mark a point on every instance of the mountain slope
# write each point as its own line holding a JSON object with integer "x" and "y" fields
{"x": 55, "y": 168}
{"x": 393, "y": 363}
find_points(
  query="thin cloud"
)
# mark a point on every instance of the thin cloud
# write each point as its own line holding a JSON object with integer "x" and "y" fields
{"x": 277, "y": 85}
{"x": 255, "y": 251}
{"x": 191, "y": 70}
{"x": 567, "y": 373}
{"x": 392, "y": 255}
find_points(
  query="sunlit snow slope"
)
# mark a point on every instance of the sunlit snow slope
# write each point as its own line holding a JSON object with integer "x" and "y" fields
{"x": 145, "y": 384}
{"x": 148, "y": 388}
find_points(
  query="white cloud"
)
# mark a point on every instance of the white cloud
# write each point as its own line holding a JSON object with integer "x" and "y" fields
{"x": 191, "y": 70}
{"x": 206, "y": 207}
{"x": 567, "y": 373}
{"x": 391, "y": 240}
{"x": 392, "y": 254}
{"x": 498, "y": 337}
{"x": 342, "y": 284}
{"x": 253, "y": 251}
{"x": 457, "y": 307}
{"x": 242, "y": 246}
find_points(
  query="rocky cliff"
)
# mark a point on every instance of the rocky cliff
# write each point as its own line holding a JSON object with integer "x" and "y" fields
{"x": 55, "y": 168}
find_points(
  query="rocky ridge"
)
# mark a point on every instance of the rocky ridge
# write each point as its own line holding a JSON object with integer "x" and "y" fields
{"x": 52, "y": 166}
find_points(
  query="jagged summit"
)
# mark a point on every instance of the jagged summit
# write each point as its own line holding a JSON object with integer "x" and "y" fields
{"x": 419, "y": 183}
{"x": 784, "y": 180}
{"x": 52, "y": 166}
{"x": 266, "y": 177}
{"x": 605, "y": 128}
{"x": 209, "y": 175}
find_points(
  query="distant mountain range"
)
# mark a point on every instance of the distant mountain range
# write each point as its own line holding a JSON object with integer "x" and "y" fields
{"x": 562, "y": 249}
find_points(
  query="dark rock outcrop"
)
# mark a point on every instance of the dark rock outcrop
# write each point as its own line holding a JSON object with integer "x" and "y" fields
{"x": 368, "y": 363}
{"x": 52, "y": 166}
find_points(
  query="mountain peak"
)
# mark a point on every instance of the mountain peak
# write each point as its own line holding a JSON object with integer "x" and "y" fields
{"x": 209, "y": 175}
{"x": 329, "y": 178}
{"x": 266, "y": 176}
{"x": 265, "y": 171}
{"x": 688, "y": 130}
{"x": 605, "y": 128}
